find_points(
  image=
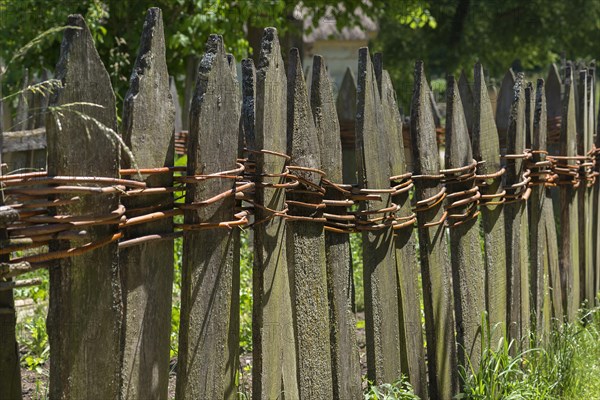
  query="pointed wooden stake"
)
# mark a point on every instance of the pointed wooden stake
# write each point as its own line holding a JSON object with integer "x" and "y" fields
{"x": 84, "y": 331}
{"x": 433, "y": 244}
{"x": 344, "y": 355}
{"x": 147, "y": 269}
{"x": 274, "y": 351}
{"x": 208, "y": 336}
{"x": 465, "y": 253}
{"x": 486, "y": 148}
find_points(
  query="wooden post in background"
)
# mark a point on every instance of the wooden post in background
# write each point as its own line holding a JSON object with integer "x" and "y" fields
{"x": 486, "y": 148}
{"x": 84, "y": 330}
{"x": 515, "y": 218}
{"x": 306, "y": 244}
{"x": 584, "y": 193}
{"x": 503, "y": 107}
{"x": 468, "y": 272}
{"x": 10, "y": 366}
{"x": 569, "y": 227}
{"x": 409, "y": 308}
{"x": 346, "y": 112}
{"x": 147, "y": 268}
{"x": 344, "y": 348}
{"x": 274, "y": 349}
{"x": 379, "y": 261}
{"x": 543, "y": 256}
{"x": 433, "y": 244}
{"x": 208, "y": 337}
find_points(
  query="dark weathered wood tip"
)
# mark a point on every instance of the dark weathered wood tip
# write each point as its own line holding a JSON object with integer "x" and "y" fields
{"x": 458, "y": 146}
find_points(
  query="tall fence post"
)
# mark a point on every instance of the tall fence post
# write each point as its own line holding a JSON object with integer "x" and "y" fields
{"x": 306, "y": 243}
{"x": 468, "y": 273}
{"x": 515, "y": 218}
{"x": 569, "y": 241}
{"x": 10, "y": 366}
{"x": 208, "y": 337}
{"x": 503, "y": 107}
{"x": 543, "y": 255}
{"x": 274, "y": 348}
{"x": 84, "y": 330}
{"x": 409, "y": 306}
{"x": 379, "y": 262}
{"x": 584, "y": 192}
{"x": 346, "y": 113}
{"x": 433, "y": 245}
{"x": 147, "y": 268}
{"x": 486, "y": 148}
{"x": 344, "y": 348}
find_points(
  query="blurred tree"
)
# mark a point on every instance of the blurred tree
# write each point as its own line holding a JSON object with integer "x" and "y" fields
{"x": 499, "y": 33}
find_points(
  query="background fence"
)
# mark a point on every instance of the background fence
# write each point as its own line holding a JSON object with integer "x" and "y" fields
{"x": 476, "y": 237}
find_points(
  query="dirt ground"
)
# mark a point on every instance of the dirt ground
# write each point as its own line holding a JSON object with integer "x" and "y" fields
{"x": 35, "y": 383}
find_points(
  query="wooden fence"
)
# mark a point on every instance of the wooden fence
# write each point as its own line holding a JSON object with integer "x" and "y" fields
{"x": 475, "y": 236}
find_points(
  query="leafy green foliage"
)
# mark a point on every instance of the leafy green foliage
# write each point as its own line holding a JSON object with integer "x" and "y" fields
{"x": 246, "y": 262}
{"x": 499, "y": 34}
{"x": 399, "y": 390}
{"x": 34, "y": 339}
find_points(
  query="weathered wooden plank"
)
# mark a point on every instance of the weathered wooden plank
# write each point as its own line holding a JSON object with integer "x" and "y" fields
{"x": 411, "y": 332}
{"x": 346, "y": 111}
{"x": 540, "y": 253}
{"x": 379, "y": 262}
{"x": 23, "y": 104}
{"x": 342, "y": 322}
{"x": 516, "y": 221}
{"x": 466, "y": 95}
{"x": 84, "y": 331}
{"x": 24, "y": 140}
{"x": 147, "y": 269}
{"x": 584, "y": 193}
{"x": 274, "y": 357}
{"x": 569, "y": 240}
{"x": 468, "y": 272}
{"x": 433, "y": 245}
{"x": 529, "y": 114}
{"x": 208, "y": 338}
{"x": 503, "y": 107}
{"x": 554, "y": 89}
{"x": 305, "y": 243}
{"x": 486, "y": 148}
{"x": 10, "y": 367}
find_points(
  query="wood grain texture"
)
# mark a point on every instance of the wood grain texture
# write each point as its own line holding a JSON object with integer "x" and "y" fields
{"x": 468, "y": 272}
{"x": 84, "y": 331}
{"x": 411, "y": 333}
{"x": 306, "y": 247}
{"x": 486, "y": 148}
{"x": 569, "y": 240}
{"x": 209, "y": 329}
{"x": 379, "y": 261}
{"x": 466, "y": 95}
{"x": 147, "y": 269}
{"x": 435, "y": 263}
{"x": 342, "y": 322}
{"x": 346, "y": 112}
{"x": 516, "y": 222}
{"x": 10, "y": 367}
{"x": 274, "y": 350}
{"x": 503, "y": 107}
{"x": 585, "y": 193}
{"x": 540, "y": 256}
